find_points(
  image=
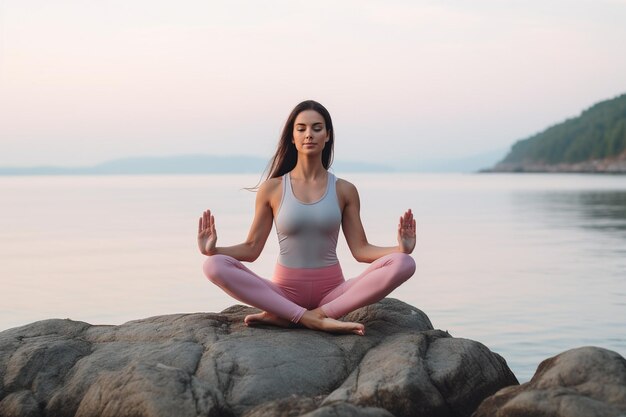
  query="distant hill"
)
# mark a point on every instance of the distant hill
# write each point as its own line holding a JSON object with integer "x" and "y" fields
{"x": 183, "y": 164}
{"x": 471, "y": 163}
{"x": 241, "y": 164}
{"x": 595, "y": 141}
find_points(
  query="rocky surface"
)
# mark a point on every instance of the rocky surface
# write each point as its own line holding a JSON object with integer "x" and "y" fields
{"x": 582, "y": 382}
{"x": 209, "y": 364}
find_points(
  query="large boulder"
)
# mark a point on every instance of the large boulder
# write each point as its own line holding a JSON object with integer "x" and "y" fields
{"x": 583, "y": 382}
{"x": 208, "y": 364}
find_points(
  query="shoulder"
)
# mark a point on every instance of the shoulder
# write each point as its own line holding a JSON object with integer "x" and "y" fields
{"x": 346, "y": 190}
{"x": 270, "y": 184}
{"x": 345, "y": 186}
{"x": 270, "y": 189}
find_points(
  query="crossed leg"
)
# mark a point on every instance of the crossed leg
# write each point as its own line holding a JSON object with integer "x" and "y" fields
{"x": 375, "y": 283}
{"x": 241, "y": 283}
{"x": 244, "y": 285}
{"x": 378, "y": 280}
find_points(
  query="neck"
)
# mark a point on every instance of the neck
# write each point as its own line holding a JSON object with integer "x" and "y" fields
{"x": 309, "y": 168}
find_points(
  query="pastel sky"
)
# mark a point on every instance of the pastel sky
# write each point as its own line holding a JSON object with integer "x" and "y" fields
{"x": 84, "y": 81}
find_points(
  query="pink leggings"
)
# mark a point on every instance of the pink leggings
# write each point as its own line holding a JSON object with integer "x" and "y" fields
{"x": 293, "y": 291}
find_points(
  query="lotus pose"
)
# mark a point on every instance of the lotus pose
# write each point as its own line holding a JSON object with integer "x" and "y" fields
{"x": 308, "y": 205}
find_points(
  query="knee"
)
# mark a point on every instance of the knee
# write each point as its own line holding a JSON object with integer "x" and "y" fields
{"x": 404, "y": 265}
{"x": 214, "y": 267}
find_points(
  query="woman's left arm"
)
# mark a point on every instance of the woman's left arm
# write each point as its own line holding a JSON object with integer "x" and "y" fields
{"x": 353, "y": 230}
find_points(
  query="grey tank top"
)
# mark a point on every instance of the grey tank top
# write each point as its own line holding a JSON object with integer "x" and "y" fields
{"x": 307, "y": 232}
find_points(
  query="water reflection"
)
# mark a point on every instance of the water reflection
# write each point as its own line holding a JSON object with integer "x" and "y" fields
{"x": 603, "y": 211}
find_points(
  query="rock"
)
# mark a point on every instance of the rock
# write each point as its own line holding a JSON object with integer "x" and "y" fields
{"x": 310, "y": 407}
{"x": 208, "y": 364}
{"x": 427, "y": 373}
{"x": 348, "y": 410}
{"x": 581, "y": 382}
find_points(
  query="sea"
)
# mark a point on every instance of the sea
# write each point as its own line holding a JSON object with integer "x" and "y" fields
{"x": 530, "y": 265}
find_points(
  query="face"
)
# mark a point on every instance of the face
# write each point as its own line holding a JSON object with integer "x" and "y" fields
{"x": 309, "y": 132}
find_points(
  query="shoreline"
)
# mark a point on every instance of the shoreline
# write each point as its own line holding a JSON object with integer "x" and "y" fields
{"x": 613, "y": 165}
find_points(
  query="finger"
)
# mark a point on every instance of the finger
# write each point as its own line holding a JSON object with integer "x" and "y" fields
{"x": 200, "y": 225}
{"x": 408, "y": 219}
{"x": 213, "y": 223}
{"x": 209, "y": 219}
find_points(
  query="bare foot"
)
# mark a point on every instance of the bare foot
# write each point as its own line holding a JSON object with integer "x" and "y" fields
{"x": 266, "y": 318}
{"x": 317, "y": 320}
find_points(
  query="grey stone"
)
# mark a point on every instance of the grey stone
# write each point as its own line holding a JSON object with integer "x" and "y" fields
{"x": 583, "y": 382}
{"x": 20, "y": 403}
{"x": 209, "y": 364}
{"x": 348, "y": 410}
{"x": 292, "y": 406}
{"x": 425, "y": 374}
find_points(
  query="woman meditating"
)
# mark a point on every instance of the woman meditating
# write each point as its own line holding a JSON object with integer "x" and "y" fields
{"x": 308, "y": 205}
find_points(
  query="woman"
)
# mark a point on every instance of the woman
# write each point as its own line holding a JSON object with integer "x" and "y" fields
{"x": 308, "y": 205}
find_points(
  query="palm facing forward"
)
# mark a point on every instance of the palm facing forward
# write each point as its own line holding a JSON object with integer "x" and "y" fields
{"x": 406, "y": 232}
{"x": 207, "y": 236}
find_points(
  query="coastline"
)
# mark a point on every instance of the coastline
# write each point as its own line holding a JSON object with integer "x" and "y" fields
{"x": 613, "y": 165}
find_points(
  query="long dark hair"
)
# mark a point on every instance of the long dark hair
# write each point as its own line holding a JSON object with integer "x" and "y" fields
{"x": 286, "y": 155}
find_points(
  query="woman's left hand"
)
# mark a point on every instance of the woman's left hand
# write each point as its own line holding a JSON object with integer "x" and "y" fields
{"x": 406, "y": 232}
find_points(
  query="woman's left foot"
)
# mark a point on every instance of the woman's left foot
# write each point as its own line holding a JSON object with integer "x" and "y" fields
{"x": 266, "y": 318}
{"x": 317, "y": 320}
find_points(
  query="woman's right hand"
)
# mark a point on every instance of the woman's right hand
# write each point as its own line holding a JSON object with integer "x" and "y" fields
{"x": 207, "y": 236}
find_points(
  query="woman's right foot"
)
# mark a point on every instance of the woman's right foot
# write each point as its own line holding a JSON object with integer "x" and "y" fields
{"x": 317, "y": 320}
{"x": 266, "y": 318}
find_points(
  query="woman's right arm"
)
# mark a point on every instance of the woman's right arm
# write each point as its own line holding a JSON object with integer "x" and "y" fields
{"x": 249, "y": 250}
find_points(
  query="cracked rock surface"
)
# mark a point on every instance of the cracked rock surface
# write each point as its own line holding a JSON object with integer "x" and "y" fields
{"x": 583, "y": 382}
{"x": 211, "y": 364}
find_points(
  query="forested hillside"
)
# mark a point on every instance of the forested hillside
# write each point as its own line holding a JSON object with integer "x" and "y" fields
{"x": 598, "y": 133}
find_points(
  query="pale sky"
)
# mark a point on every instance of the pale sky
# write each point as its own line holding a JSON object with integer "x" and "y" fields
{"x": 85, "y": 81}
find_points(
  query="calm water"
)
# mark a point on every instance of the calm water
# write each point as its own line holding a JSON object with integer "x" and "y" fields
{"x": 529, "y": 265}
